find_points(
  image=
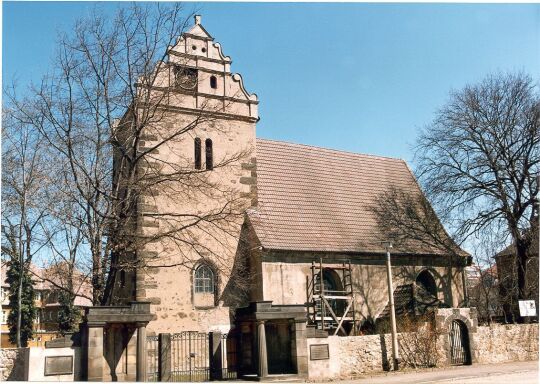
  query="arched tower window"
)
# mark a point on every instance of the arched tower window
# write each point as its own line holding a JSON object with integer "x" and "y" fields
{"x": 209, "y": 155}
{"x": 213, "y": 82}
{"x": 204, "y": 279}
{"x": 425, "y": 280}
{"x": 197, "y": 153}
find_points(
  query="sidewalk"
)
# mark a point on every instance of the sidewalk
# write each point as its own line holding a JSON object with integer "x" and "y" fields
{"x": 524, "y": 372}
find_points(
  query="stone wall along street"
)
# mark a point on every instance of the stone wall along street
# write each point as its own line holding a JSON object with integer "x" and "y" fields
{"x": 360, "y": 355}
{"x": 502, "y": 343}
{"x": 14, "y": 364}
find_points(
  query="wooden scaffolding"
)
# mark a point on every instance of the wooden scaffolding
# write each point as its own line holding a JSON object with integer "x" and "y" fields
{"x": 331, "y": 309}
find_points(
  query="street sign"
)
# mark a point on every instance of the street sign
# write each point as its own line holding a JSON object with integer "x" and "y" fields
{"x": 527, "y": 308}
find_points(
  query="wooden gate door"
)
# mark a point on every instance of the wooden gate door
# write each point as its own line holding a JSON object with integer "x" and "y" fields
{"x": 278, "y": 345}
{"x": 460, "y": 353}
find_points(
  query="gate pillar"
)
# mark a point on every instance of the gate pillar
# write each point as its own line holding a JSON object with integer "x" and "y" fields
{"x": 141, "y": 351}
{"x": 251, "y": 323}
{"x": 216, "y": 356}
{"x": 101, "y": 364}
{"x": 164, "y": 357}
{"x": 95, "y": 358}
{"x": 262, "y": 370}
{"x": 301, "y": 349}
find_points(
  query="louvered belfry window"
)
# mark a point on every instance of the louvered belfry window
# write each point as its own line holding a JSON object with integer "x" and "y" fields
{"x": 197, "y": 153}
{"x": 209, "y": 155}
{"x": 213, "y": 82}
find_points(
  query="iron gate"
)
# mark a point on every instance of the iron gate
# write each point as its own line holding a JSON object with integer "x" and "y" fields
{"x": 459, "y": 344}
{"x": 152, "y": 362}
{"x": 187, "y": 357}
{"x": 190, "y": 356}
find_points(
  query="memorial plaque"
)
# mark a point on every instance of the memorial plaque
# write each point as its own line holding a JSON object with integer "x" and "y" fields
{"x": 58, "y": 365}
{"x": 319, "y": 352}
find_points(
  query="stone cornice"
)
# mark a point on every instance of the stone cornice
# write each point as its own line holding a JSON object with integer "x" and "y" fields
{"x": 197, "y": 37}
{"x": 197, "y": 57}
{"x": 202, "y": 94}
{"x": 193, "y": 111}
{"x": 359, "y": 258}
{"x": 203, "y": 69}
{"x": 136, "y": 312}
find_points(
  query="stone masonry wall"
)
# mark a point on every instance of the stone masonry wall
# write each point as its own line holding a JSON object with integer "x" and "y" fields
{"x": 500, "y": 343}
{"x": 13, "y": 364}
{"x": 360, "y": 355}
{"x": 364, "y": 354}
{"x": 350, "y": 356}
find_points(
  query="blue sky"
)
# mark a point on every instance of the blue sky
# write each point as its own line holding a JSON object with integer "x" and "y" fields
{"x": 358, "y": 77}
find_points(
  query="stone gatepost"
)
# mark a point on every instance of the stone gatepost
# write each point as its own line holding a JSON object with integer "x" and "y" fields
{"x": 216, "y": 358}
{"x": 94, "y": 351}
{"x": 252, "y": 322}
{"x": 443, "y": 321}
{"x": 164, "y": 357}
{"x": 124, "y": 327}
{"x": 300, "y": 342}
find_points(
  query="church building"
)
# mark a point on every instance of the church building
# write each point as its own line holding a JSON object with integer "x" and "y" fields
{"x": 257, "y": 220}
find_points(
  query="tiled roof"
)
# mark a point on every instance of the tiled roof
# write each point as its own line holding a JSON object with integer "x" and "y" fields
{"x": 533, "y": 248}
{"x": 317, "y": 199}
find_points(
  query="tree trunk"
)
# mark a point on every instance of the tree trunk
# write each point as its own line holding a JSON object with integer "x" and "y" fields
{"x": 21, "y": 269}
{"x": 521, "y": 260}
{"x": 19, "y": 303}
{"x": 521, "y": 267}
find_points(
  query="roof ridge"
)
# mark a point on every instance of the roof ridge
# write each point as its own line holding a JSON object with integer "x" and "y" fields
{"x": 332, "y": 149}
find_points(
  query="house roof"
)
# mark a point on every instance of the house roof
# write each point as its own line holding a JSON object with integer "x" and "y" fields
{"x": 34, "y": 270}
{"x": 317, "y": 199}
{"x": 45, "y": 279}
{"x": 533, "y": 248}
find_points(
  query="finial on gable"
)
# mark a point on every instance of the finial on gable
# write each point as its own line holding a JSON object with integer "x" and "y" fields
{"x": 197, "y": 19}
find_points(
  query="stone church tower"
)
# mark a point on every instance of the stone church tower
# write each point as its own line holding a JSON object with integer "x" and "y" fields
{"x": 195, "y": 218}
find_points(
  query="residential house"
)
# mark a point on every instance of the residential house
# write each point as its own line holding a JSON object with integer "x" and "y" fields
{"x": 46, "y": 282}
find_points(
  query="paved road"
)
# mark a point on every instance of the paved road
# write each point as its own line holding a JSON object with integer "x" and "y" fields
{"x": 525, "y": 372}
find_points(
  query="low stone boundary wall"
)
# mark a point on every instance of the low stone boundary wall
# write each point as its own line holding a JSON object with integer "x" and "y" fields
{"x": 14, "y": 364}
{"x": 500, "y": 343}
{"x": 360, "y": 355}
{"x": 350, "y": 356}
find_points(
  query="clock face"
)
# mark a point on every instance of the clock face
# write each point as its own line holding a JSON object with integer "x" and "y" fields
{"x": 186, "y": 78}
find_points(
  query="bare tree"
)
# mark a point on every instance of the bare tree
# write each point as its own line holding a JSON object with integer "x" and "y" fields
{"x": 418, "y": 340}
{"x": 104, "y": 110}
{"x": 479, "y": 159}
{"x": 507, "y": 274}
{"x": 483, "y": 281}
{"x": 25, "y": 177}
{"x": 66, "y": 266}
